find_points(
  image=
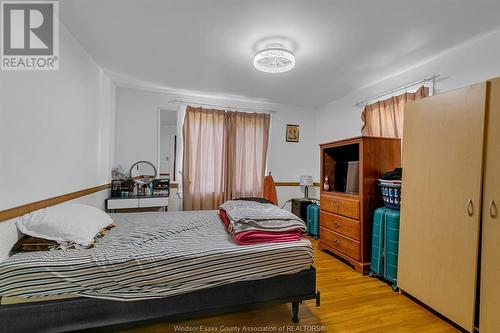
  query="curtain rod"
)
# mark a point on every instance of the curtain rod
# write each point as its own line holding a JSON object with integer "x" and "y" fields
{"x": 409, "y": 85}
{"x": 227, "y": 107}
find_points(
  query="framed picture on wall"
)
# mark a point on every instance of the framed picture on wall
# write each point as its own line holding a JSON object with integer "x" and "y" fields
{"x": 292, "y": 133}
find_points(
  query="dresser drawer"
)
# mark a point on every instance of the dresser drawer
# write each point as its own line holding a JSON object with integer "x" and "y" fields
{"x": 341, "y": 243}
{"x": 153, "y": 202}
{"x": 341, "y": 206}
{"x": 122, "y": 203}
{"x": 340, "y": 224}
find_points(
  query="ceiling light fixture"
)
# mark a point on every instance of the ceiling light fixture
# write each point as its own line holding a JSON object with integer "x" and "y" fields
{"x": 274, "y": 58}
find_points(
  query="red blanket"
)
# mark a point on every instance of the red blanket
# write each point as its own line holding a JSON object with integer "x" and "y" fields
{"x": 224, "y": 218}
{"x": 257, "y": 236}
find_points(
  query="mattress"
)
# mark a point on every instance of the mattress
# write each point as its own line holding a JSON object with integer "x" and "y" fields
{"x": 151, "y": 255}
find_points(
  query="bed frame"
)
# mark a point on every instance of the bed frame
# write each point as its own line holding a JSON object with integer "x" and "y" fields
{"x": 87, "y": 313}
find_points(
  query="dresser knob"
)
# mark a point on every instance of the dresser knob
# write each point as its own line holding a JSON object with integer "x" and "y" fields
{"x": 336, "y": 242}
{"x": 336, "y": 224}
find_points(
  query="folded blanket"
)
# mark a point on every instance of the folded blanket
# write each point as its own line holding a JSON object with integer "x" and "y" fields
{"x": 224, "y": 218}
{"x": 256, "y": 237}
{"x": 247, "y": 215}
{"x": 271, "y": 226}
{"x": 253, "y": 223}
{"x": 242, "y": 210}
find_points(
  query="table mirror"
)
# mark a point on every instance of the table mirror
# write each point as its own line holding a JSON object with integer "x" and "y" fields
{"x": 143, "y": 172}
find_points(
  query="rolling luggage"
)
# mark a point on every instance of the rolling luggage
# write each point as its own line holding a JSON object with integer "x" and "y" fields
{"x": 312, "y": 220}
{"x": 385, "y": 240}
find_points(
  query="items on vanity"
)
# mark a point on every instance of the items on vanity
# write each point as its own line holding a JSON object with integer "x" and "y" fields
{"x": 116, "y": 188}
{"x": 161, "y": 187}
{"x": 140, "y": 190}
{"x": 127, "y": 188}
{"x": 352, "y": 168}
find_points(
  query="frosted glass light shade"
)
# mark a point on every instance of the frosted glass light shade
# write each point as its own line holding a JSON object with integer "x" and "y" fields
{"x": 274, "y": 60}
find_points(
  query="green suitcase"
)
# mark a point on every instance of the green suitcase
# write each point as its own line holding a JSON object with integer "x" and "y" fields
{"x": 385, "y": 241}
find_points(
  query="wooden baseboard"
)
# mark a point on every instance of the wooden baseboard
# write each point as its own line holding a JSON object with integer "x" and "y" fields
{"x": 28, "y": 208}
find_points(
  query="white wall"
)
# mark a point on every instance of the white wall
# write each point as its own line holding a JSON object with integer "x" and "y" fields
{"x": 56, "y": 128}
{"x": 289, "y": 160}
{"x": 137, "y": 126}
{"x": 56, "y": 133}
{"x": 470, "y": 62}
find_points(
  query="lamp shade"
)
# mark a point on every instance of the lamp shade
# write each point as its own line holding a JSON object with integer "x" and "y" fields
{"x": 306, "y": 181}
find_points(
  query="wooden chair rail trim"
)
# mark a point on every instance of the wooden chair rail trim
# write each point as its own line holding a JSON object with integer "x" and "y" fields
{"x": 291, "y": 184}
{"x": 30, "y": 207}
{"x": 176, "y": 185}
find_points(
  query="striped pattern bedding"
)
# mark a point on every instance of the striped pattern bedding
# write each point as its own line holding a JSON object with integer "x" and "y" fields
{"x": 151, "y": 255}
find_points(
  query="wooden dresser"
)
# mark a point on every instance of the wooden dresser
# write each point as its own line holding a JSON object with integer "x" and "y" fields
{"x": 346, "y": 218}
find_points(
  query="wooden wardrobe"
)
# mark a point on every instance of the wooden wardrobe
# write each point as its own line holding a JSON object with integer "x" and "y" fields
{"x": 451, "y": 186}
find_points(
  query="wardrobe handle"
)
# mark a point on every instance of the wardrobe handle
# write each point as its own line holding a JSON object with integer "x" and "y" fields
{"x": 470, "y": 208}
{"x": 493, "y": 209}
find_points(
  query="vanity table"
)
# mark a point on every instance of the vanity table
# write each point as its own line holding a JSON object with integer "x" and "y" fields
{"x": 143, "y": 175}
{"x": 143, "y": 201}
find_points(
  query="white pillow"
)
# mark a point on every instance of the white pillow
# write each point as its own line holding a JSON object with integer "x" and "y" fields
{"x": 67, "y": 222}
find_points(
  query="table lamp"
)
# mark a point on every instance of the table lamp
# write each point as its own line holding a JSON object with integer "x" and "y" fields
{"x": 306, "y": 181}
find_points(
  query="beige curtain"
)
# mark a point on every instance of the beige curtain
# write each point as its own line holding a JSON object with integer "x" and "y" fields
{"x": 203, "y": 166}
{"x": 248, "y": 135}
{"x": 224, "y": 156}
{"x": 385, "y": 118}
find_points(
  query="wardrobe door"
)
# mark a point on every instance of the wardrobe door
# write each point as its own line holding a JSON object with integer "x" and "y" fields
{"x": 489, "y": 312}
{"x": 440, "y": 209}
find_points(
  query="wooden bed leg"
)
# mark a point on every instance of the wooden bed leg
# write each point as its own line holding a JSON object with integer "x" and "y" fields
{"x": 318, "y": 298}
{"x": 295, "y": 312}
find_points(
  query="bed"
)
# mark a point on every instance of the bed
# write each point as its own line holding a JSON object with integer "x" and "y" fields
{"x": 153, "y": 266}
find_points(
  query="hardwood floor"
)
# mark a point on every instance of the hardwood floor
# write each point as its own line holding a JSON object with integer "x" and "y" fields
{"x": 349, "y": 303}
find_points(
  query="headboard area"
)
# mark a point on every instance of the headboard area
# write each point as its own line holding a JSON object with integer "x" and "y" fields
{"x": 9, "y": 234}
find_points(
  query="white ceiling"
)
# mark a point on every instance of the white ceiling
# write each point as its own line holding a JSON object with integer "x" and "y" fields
{"x": 208, "y": 46}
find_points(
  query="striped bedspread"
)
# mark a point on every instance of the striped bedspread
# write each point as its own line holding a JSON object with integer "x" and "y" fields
{"x": 150, "y": 255}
